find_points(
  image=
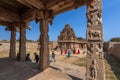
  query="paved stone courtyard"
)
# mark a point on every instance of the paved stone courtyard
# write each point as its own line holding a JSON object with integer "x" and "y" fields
{"x": 29, "y": 71}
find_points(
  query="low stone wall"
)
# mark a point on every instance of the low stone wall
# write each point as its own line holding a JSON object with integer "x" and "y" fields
{"x": 115, "y": 51}
{"x": 112, "y": 48}
{"x": 108, "y": 45}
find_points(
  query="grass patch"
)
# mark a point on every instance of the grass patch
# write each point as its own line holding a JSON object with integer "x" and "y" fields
{"x": 80, "y": 62}
{"x": 63, "y": 58}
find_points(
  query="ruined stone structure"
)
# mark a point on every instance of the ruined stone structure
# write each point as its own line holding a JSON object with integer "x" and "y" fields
{"x": 112, "y": 48}
{"x": 18, "y": 13}
{"x": 68, "y": 40}
{"x": 115, "y": 51}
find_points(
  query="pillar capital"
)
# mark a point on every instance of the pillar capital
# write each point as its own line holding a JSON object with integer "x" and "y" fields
{"x": 44, "y": 38}
{"x": 11, "y": 27}
{"x": 45, "y": 15}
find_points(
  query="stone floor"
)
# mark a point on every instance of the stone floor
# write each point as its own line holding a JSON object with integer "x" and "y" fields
{"x": 13, "y": 70}
{"x": 51, "y": 74}
{"x": 76, "y": 72}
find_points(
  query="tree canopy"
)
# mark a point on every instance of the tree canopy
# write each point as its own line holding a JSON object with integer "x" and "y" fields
{"x": 80, "y": 38}
{"x": 117, "y": 39}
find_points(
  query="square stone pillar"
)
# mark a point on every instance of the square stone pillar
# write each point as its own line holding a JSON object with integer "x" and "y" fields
{"x": 44, "y": 42}
{"x": 95, "y": 60}
{"x": 22, "y": 42}
{"x": 13, "y": 43}
{"x": 44, "y": 39}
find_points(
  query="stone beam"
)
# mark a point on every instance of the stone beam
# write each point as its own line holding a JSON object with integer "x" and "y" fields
{"x": 53, "y": 3}
{"x": 25, "y": 3}
{"x": 6, "y": 15}
{"x": 29, "y": 15}
{"x": 69, "y": 5}
{"x": 32, "y": 3}
{"x": 63, "y": 10}
{"x": 3, "y": 23}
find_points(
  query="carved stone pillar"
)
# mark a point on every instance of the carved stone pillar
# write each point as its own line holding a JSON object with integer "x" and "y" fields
{"x": 44, "y": 40}
{"x": 13, "y": 43}
{"x": 22, "y": 42}
{"x": 95, "y": 61}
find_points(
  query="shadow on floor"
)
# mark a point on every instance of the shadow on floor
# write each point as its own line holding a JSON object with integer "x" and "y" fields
{"x": 74, "y": 78}
{"x": 55, "y": 68}
{"x": 14, "y": 70}
{"x": 114, "y": 63}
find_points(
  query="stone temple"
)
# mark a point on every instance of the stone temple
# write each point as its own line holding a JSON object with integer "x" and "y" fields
{"x": 18, "y": 13}
{"x": 68, "y": 40}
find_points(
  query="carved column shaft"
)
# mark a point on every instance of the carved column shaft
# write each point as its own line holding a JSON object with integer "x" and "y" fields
{"x": 44, "y": 40}
{"x": 22, "y": 47}
{"x": 95, "y": 64}
{"x": 13, "y": 43}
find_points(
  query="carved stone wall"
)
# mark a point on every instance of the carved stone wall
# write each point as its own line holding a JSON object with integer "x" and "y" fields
{"x": 95, "y": 64}
{"x": 67, "y": 33}
{"x": 68, "y": 40}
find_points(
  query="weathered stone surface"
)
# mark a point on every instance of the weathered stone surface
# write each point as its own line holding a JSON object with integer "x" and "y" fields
{"x": 22, "y": 48}
{"x": 112, "y": 48}
{"x": 51, "y": 74}
{"x": 68, "y": 39}
{"x": 67, "y": 34}
{"x": 44, "y": 43}
{"x": 13, "y": 43}
{"x": 115, "y": 51}
{"x": 95, "y": 65}
{"x": 47, "y": 11}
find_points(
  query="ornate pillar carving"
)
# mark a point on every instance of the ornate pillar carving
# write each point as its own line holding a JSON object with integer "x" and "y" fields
{"x": 44, "y": 39}
{"x": 13, "y": 42}
{"x": 22, "y": 41}
{"x": 95, "y": 61}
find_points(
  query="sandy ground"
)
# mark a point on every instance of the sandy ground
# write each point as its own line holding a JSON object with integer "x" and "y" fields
{"x": 62, "y": 69}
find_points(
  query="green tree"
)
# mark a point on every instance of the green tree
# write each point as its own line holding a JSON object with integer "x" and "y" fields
{"x": 117, "y": 39}
{"x": 80, "y": 38}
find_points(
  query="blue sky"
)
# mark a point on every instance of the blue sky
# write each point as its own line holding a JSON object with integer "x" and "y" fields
{"x": 77, "y": 20}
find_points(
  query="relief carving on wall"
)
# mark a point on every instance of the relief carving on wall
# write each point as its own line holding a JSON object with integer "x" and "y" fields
{"x": 99, "y": 52}
{"x": 93, "y": 70}
{"x": 94, "y": 13}
{"x": 95, "y": 48}
{"x": 90, "y": 50}
{"x": 94, "y": 35}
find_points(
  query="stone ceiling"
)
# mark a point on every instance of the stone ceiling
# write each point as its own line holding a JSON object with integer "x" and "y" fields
{"x": 13, "y": 11}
